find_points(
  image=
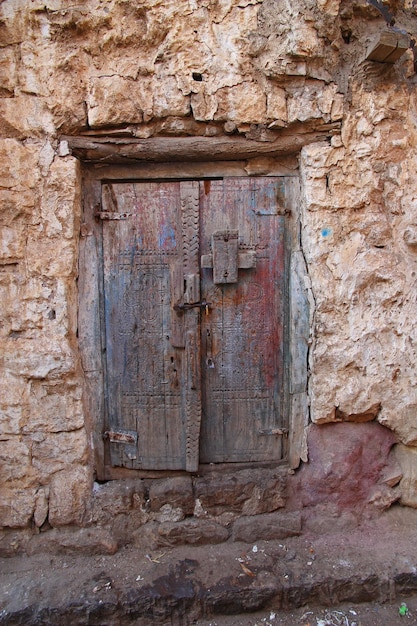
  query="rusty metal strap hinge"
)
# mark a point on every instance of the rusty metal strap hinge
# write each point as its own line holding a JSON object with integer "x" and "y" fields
{"x": 274, "y": 431}
{"x": 111, "y": 215}
{"x": 121, "y": 436}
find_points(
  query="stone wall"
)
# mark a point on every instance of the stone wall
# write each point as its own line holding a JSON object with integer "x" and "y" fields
{"x": 212, "y": 68}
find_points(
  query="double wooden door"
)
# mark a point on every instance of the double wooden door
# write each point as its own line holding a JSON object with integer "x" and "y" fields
{"x": 194, "y": 304}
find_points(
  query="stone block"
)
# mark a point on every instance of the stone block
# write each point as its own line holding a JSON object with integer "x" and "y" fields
{"x": 25, "y": 116}
{"x": 410, "y": 236}
{"x": 268, "y": 527}
{"x": 249, "y": 491}
{"x": 42, "y": 357}
{"x": 303, "y": 104}
{"x": 193, "y": 532}
{"x": 243, "y": 104}
{"x": 16, "y": 507}
{"x": 382, "y": 496}
{"x": 34, "y": 68}
{"x": 337, "y": 110}
{"x": 176, "y": 491}
{"x": 18, "y": 165}
{"x": 69, "y": 497}
{"x": 14, "y": 390}
{"x": 276, "y": 103}
{"x": 12, "y": 243}
{"x": 51, "y": 257}
{"x": 60, "y": 204}
{"x": 81, "y": 541}
{"x": 40, "y": 514}
{"x": 168, "y": 513}
{"x": 15, "y": 460}
{"x": 53, "y": 452}
{"x": 54, "y": 407}
{"x": 13, "y": 542}
{"x": 203, "y": 106}
{"x": 115, "y": 498}
{"x": 115, "y": 100}
{"x": 8, "y": 76}
{"x": 168, "y": 101}
{"x": 20, "y": 204}
{"x": 407, "y": 458}
{"x": 11, "y": 419}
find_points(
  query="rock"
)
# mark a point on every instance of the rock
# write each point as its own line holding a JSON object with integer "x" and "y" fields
{"x": 69, "y": 497}
{"x": 267, "y": 527}
{"x": 16, "y": 506}
{"x": 410, "y": 236}
{"x": 383, "y": 496}
{"x": 347, "y": 463}
{"x": 168, "y": 513}
{"x": 83, "y": 541}
{"x": 195, "y": 532}
{"x": 407, "y": 458}
{"x": 115, "y": 99}
{"x": 54, "y": 452}
{"x": 54, "y": 407}
{"x": 14, "y": 542}
{"x": 116, "y": 497}
{"x": 243, "y": 104}
{"x": 176, "y": 491}
{"x": 40, "y": 513}
{"x": 249, "y": 491}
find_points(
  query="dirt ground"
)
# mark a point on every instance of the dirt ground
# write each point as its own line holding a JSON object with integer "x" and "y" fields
{"x": 402, "y": 612}
{"x": 358, "y": 576}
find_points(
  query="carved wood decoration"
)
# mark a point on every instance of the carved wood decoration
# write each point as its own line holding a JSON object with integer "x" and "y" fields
{"x": 192, "y": 388}
{"x": 194, "y": 367}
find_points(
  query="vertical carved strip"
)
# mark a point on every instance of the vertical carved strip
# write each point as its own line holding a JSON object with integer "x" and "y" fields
{"x": 193, "y": 396}
{"x": 190, "y": 226}
{"x": 191, "y": 250}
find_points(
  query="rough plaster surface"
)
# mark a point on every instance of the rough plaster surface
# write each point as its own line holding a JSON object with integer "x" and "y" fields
{"x": 189, "y": 67}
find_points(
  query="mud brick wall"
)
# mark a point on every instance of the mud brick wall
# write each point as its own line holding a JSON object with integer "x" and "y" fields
{"x": 197, "y": 68}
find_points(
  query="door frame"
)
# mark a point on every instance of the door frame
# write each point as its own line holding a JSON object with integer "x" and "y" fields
{"x": 90, "y": 326}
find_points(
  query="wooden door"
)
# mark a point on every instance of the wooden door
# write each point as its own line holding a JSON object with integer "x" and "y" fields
{"x": 243, "y": 336}
{"x": 194, "y": 318}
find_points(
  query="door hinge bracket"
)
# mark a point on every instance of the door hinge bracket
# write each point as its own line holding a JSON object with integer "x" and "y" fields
{"x": 111, "y": 215}
{"x": 274, "y": 431}
{"x": 127, "y": 437}
{"x": 278, "y": 210}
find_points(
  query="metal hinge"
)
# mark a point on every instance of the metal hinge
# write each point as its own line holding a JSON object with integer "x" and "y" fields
{"x": 121, "y": 436}
{"x": 111, "y": 215}
{"x": 274, "y": 431}
{"x": 276, "y": 210}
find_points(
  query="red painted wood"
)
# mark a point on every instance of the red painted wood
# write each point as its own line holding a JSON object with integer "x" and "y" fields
{"x": 242, "y": 337}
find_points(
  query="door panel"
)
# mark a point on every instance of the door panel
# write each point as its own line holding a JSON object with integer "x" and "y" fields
{"x": 144, "y": 372}
{"x": 242, "y": 371}
{"x": 185, "y": 378}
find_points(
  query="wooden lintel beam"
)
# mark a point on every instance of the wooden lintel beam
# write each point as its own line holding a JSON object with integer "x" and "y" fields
{"x": 165, "y": 149}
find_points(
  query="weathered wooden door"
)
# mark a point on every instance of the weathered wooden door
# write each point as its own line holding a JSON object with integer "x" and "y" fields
{"x": 194, "y": 318}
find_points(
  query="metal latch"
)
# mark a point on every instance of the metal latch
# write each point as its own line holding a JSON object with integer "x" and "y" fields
{"x": 192, "y": 305}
